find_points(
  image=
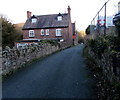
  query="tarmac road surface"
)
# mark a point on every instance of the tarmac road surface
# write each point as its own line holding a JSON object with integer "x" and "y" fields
{"x": 61, "y": 75}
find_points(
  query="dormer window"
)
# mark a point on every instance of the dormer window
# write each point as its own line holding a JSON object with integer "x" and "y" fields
{"x": 59, "y": 17}
{"x": 34, "y": 20}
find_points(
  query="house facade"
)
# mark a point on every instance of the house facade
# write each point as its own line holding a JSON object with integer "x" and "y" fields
{"x": 53, "y": 27}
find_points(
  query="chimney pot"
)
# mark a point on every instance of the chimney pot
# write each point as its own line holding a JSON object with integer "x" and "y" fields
{"x": 69, "y": 10}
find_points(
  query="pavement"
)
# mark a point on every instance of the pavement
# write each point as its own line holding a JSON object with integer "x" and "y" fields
{"x": 61, "y": 75}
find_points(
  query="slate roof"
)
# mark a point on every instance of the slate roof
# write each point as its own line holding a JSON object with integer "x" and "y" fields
{"x": 47, "y": 21}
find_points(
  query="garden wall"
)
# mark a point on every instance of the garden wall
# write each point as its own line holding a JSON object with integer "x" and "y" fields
{"x": 15, "y": 58}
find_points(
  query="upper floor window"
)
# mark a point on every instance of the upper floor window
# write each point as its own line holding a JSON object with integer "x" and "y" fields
{"x": 58, "y": 32}
{"x": 31, "y": 33}
{"x": 47, "y": 31}
{"x": 34, "y": 20}
{"x": 42, "y": 32}
{"x": 59, "y": 18}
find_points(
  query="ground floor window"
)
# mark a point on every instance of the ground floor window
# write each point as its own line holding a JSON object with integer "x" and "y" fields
{"x": 58, "y": 32}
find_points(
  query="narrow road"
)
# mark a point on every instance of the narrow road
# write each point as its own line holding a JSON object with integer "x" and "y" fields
{"x": 61, "y": 75}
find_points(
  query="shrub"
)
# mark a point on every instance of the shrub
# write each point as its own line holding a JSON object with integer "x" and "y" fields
{"x": 108, "y": 86}
{"x": 52, "y": 42}
{"x": 98, "y": 46}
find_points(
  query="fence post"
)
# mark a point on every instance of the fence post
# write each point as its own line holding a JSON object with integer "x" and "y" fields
{"x": 105, "y": 20}
{"x": 98, "y": 23}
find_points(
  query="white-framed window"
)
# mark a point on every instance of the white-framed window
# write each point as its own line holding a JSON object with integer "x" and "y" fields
{"x": 34, "y": 20}
{"x": 59, "y": 18}
{"x": 42, "y": 32}
{"x": 47, "y": 31}
{"x": 31, "y": 33}
{"x": 58, "y": 32}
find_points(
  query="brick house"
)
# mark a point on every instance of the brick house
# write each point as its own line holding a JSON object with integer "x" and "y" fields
{"x": 53, "y": 26}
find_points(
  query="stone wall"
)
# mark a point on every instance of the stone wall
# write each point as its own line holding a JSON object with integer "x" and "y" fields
{"x": 15, "y": 58}
{"x": 0, "y": 72}
{"x": 109, "y": 64}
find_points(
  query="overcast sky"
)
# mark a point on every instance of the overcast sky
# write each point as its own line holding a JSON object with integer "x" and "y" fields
{"x": 82, "y": 11}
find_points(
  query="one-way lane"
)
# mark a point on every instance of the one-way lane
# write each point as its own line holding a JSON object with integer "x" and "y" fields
{"x": 61, "y": 75}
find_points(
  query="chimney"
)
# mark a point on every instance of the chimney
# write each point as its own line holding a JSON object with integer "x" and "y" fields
{"x": 69, "y": 10}
{"x": 29, "y": 14}
{"x": 118, "y": 7}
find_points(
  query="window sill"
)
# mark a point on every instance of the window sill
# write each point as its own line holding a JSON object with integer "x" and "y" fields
{"x": 31, "y": 36}
{"x": 59, "y": 36}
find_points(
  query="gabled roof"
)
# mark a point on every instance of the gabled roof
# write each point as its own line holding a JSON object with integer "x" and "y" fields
{"x": 47, "y": 21}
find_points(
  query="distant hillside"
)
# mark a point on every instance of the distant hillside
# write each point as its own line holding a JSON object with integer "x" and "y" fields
{"x": 19, "y": 25}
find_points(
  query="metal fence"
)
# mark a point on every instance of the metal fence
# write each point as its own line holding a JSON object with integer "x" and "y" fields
{"x": 102, "y": 23}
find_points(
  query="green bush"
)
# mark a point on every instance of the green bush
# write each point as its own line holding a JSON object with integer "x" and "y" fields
{"x": 107, "y": 89}
{"x": 102, "y": 44}
{"x": 52, "y": 42}
{"x": 9, "y": 33}
{"x": 98, "y": 46}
